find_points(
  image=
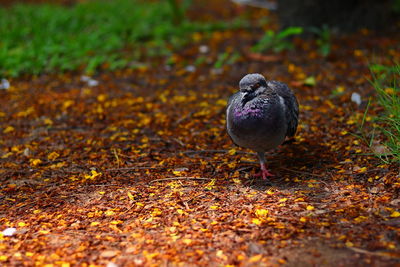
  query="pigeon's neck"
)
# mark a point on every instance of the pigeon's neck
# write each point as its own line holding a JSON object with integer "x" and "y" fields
{"x": 247, "y": 111}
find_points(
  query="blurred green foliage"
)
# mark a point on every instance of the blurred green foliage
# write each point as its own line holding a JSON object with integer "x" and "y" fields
{"x": 48, "y": 38}
{"x": 277, "y": 41}
{"x": 323, "y": 39}
{"x": 396, "y": 6}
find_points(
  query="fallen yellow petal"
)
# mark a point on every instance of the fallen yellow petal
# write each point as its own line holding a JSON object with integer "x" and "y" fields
{"x": 309, "y": 207}
{"x": 261, "y": 212}
{"x": 395, "y": 214}
{"x": 255, "y": 258}
{"x": 8, "y": 129}
{"x": 256, "y": 221}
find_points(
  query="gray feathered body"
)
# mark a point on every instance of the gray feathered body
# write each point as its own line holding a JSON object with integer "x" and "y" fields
{"x": 261, "y": 119}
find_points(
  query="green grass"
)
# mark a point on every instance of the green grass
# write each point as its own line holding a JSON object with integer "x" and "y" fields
{"x": 49, "y": 38}
{"x": 323, "y": 39}
{"x": 277, "y": 41}
{"x": 387, "y": 84}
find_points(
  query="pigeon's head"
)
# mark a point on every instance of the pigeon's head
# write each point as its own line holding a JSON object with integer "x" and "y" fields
{"x": 251, "y": 82}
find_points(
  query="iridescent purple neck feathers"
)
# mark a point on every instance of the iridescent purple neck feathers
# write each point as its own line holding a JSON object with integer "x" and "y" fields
{"x": 247, "y": 111}
{"x": 261, "y": 114}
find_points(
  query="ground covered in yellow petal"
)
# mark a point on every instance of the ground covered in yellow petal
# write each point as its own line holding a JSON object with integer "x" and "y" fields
{"x": 138, "y": 169}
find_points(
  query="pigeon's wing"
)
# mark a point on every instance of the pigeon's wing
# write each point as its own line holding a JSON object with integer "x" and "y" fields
{"x": 231, "y": 101}
{"x": 292, "y": 106}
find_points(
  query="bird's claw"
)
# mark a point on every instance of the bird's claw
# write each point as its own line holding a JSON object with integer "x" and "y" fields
{"x": 264, "y": 174}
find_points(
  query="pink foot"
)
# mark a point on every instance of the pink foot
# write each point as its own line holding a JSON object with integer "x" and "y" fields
{"x": 264, "y": 172}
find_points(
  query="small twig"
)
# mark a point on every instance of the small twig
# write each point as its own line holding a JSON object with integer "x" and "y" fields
{"x": 249, "y": 162}
{"x": 134, "y": 168}
{"x": 263, "y": 58}
{"x": 301, "y": 172}
{"x": 126, "y": 156}
{"x": 204, "y": 151}
{"x": 108, "y": 185}
{"x": 367, "y": 171}
{"x": 180, "y": 178}
{"x": 244, "y": 230}
{"x": 24, "y": 205}
{"x": 178, "y": 141}
{"x": 243, "y": 169}
{"x": 193, "y": 198}
{"x": 381, "y": 254}
{"x": 184, "y": 118}
{"x": 215, "y": 151}
{"x": 116, "y": 156}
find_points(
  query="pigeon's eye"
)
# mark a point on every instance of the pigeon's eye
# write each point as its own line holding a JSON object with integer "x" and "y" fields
{"x": 255, "y": 86}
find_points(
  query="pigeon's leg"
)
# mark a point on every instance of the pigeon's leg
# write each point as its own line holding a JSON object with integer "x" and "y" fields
{"x": 264, "y": 172}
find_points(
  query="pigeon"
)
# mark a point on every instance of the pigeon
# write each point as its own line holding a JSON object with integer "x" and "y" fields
{"x": 261, "y": 115}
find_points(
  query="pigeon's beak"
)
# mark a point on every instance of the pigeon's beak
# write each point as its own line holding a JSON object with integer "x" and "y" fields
{"x": 247, "y": 95}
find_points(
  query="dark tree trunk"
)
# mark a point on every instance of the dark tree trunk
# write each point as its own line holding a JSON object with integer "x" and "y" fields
{"x": 345, "y": 15}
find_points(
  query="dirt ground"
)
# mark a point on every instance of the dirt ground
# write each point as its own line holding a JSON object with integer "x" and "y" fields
{"x": 138, "y": 169}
